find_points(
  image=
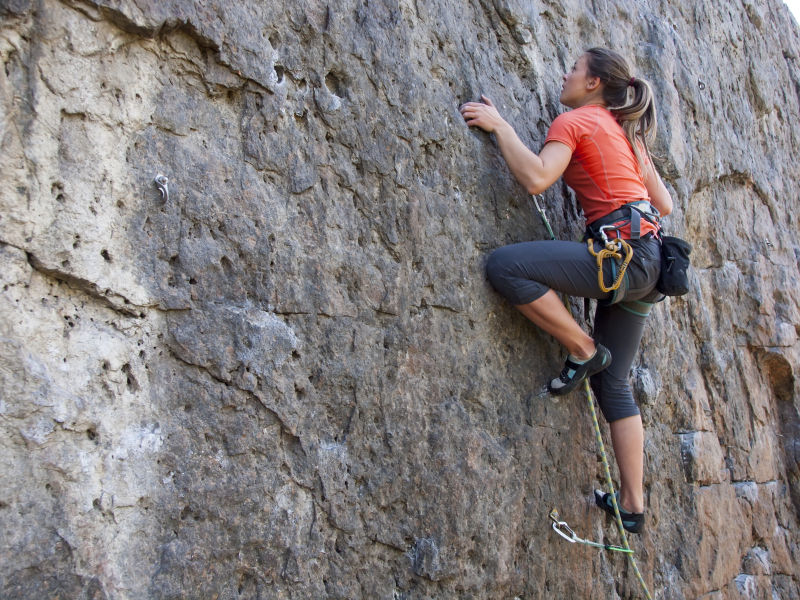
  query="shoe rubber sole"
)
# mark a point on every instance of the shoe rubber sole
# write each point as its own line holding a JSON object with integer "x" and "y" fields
{"x": 573, "y": 374}
{"x": 632, "y": 522}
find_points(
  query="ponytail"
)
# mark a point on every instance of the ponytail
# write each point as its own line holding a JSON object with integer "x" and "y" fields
{"x": 628, "y": 98}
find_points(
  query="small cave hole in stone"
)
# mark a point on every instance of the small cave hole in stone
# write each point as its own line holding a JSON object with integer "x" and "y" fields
{"x": 334, "y": 84}
{"x": 227, "y": 265}
{"x": 91, "y": 433}
{"x": 106, "y": 256}
{"x": 279, "y": 73}
{"x": 133, "y": 385}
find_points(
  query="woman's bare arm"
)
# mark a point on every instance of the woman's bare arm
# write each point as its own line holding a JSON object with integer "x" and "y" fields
{"x": 536, "y": 172}
{"x": 659, "y": 196}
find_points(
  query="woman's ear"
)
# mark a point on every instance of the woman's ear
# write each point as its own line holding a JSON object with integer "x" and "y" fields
{"x": 592, "y": 83}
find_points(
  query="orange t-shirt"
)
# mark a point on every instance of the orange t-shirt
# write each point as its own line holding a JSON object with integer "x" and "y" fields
{"x": 603, "y": 169}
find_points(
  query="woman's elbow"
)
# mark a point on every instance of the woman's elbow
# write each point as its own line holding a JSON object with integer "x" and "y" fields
{"x": 664, "y": 206}
{"x": 661, "y": 199}
{"x": 535, "y": 187}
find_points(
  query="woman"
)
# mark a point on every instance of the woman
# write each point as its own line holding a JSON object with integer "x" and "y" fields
{"x": 600, "y": 148}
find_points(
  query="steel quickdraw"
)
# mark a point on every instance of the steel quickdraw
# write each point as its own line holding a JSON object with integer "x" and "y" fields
{"x": 565, "y": 531}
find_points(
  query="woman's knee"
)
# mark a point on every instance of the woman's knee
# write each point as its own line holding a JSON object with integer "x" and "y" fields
{"x": 507, "y": 273}
{"x": 497, "y": 268}
{"x": 614, "y": 396}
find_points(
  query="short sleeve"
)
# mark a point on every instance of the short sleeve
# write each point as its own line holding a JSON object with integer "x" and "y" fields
{"x": 564, "y": 129}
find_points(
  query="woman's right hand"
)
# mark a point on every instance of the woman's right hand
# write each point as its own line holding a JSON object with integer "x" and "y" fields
{"x": 536, "y": 173}
{"x": 482, "y": 114}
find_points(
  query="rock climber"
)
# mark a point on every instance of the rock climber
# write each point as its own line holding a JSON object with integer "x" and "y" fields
{"x": 600, "y": 148}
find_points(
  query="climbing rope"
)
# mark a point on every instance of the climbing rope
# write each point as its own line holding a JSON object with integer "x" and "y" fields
{"x": 560, "y": 526}
{"x": 610, "y": 483}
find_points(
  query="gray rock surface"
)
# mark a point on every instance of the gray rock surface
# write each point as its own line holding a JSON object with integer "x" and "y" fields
{"x": 290, "y": 378}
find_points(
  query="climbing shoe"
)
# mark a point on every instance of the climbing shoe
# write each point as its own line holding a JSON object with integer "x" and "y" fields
{"x": 633, "y": 522}
{"x": 574, "y": 371}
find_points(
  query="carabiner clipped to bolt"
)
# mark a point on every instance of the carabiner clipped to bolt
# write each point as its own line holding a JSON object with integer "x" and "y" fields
{"x": 560, "y": 526}
{"x": 162, "y": 184}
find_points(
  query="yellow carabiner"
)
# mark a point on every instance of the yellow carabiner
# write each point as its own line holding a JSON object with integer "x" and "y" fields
{"x": 613, "y": 249}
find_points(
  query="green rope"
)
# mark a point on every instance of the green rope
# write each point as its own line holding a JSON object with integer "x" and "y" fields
{"x": 601, "y": 447}
{"x": 610, "y": 483}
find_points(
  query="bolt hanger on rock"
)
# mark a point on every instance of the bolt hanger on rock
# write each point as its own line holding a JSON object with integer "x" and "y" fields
{"x": 162, "y": 182}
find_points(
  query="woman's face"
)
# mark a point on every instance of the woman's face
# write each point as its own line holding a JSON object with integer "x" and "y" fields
{"x": 577, "y": 89}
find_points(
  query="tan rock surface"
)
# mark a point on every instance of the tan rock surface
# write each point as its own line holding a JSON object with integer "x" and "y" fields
{"x": 290, "y": 378}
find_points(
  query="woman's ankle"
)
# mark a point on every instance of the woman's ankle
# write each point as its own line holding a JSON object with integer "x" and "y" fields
{"x": 583, "y": 351}
{"x": 630, "y": 504}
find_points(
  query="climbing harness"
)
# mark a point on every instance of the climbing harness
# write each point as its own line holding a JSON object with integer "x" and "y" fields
{"x": 561, "y": 527}
{"x": 631, "y": 213}
{"x": 565, "y": 531}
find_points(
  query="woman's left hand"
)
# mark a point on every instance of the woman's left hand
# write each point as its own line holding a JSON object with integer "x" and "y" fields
{"x": 482, "y": 114}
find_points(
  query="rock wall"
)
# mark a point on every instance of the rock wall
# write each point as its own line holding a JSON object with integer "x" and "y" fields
{"x": 289, "y": 378}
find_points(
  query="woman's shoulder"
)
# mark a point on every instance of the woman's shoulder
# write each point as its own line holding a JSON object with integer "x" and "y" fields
{"x": 591, "y": 113}
{"x": 584, "y": 118}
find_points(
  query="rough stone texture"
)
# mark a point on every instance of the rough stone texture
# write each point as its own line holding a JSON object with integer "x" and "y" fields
{"x": 290, "y": 379}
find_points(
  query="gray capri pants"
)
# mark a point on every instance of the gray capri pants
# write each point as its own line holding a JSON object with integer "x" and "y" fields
{"x": 525, "y": 272}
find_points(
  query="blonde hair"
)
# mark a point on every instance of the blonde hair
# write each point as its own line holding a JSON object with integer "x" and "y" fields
{"x": 635, "y": 112}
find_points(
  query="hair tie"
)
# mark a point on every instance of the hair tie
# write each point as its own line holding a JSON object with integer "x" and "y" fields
{"x": 632, "y": 81}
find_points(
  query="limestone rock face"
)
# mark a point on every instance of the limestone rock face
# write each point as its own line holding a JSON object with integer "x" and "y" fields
{"x": 287, "y": 376}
